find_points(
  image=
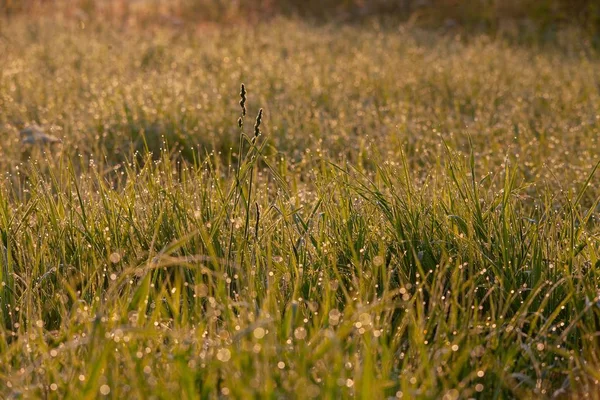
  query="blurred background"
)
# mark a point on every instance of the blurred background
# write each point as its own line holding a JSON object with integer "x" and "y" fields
{"x": 490, "y": 16}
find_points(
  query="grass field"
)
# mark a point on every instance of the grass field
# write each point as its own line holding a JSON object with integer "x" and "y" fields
{"x": 414, "y": 214}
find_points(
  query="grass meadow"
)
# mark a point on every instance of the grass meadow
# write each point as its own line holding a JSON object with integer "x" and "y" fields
{"x": 413, "y": 215}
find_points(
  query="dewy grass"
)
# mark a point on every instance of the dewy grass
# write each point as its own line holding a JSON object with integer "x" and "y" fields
{"x": 412, "y": 216}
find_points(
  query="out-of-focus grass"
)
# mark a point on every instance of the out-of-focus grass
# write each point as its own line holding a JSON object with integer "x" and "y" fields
{"x": 538, "y": 17}
{"x": 417, "y": 218}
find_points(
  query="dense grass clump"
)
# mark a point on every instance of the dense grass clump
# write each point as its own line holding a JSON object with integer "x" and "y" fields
{"x": 407, "y": 215}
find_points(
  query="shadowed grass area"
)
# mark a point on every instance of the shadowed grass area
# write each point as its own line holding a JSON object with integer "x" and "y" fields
{"x": 411, "y": 215}
{"x": 489, "y": 16}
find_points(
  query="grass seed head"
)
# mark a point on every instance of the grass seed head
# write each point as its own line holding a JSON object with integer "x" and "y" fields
{"x": 243, "y": 100}
{"x": 258, "y": 122}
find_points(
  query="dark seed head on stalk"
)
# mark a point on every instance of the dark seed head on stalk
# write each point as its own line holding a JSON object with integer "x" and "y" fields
{"x": 256, "y": 226}
{"x": 243, "y": 100}
{"x": 258, "y": 121}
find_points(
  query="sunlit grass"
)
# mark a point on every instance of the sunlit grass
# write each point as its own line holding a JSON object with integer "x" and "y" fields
{"x": 411, "y": 216}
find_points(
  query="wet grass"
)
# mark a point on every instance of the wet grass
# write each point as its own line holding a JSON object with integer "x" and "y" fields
{"x": 412, "y": 216}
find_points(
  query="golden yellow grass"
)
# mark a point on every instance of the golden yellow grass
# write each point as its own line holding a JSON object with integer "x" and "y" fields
{"x": 417, "y": 217}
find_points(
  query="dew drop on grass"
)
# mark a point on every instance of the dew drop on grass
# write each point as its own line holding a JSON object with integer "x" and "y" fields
{"x": 334, "y": 317}
{"x": 259, "y": 333}
{"x": 114, "y": 258}
{"x": 223, "y": 334}
{"x": 451, "y": 394}
{"x": 300, "y": 333}
{"x": 540, "y": 346}
{"x": 365, "y": 319}
{"x": 104, "y": 390}
{"x": 223, "y": 355}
